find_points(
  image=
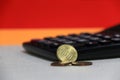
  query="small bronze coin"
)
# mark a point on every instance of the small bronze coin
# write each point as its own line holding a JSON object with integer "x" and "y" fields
{"x": 80, "y": 63}
{"x": 60, "y": 64}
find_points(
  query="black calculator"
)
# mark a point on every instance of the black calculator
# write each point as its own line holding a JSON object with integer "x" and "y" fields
{"x": 100, "y": 45}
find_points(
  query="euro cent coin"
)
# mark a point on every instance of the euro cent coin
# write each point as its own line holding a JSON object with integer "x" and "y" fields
{"x": 81, "y": 63}
{"x": 67, "y": 53}
{"x": 60, "y": 64}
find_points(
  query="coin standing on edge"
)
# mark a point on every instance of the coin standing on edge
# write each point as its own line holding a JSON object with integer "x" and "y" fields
{"x": 67, "y": 53}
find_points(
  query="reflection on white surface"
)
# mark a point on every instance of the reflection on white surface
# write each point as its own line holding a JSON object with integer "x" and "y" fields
{"x": 17, "y": 65}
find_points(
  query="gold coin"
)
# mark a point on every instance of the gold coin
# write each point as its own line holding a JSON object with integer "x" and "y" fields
{"x": 67, "y": 53}
{"x": 81, "y": 63}
{"x": 60, "y": 64}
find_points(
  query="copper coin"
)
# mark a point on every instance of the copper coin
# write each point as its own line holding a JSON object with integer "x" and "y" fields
{"x": 60, "y": 64}
{"x": 80, "y": 63}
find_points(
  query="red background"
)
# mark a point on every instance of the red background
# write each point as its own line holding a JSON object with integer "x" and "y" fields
{"x": 58, "y": 13}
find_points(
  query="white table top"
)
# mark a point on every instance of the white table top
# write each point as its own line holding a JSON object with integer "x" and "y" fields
{"x": 17, "y": 65}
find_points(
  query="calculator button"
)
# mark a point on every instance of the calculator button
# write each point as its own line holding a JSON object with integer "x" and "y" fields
{"x": 75, "y": 38}
{"x": 61, "y": 40}
{"x": 104, "y": 41}
{"x": 69, "y": 37}
{"x": 92, "y": 43}
{"x": 94, "y": 38}
{"x": 57, "y": 39}
{"x": 85, "y": 36}
{"x": 44, "y": 43}
{"x": 35, "y": 41}
{"x": 54, "y": 45}
{"x": 117, "y": 35}
{"x": 64, "y": 41}
{"x": 81, "y": 40}
{"x": 49, "y": 45}
{"x": 40, "y": 43}
{"x": 98, "y": 35}
{"x": 79, "y": 45}
{"x": 106, "y": 37}
{"x": 68, "y": 42}
{"x": 115, "y": 39}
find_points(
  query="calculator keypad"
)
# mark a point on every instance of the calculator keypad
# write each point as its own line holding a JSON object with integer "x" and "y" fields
{"x": 77, "y": 40}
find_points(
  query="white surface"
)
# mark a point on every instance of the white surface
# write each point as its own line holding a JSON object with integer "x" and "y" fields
{"x": 17, "y": 65}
